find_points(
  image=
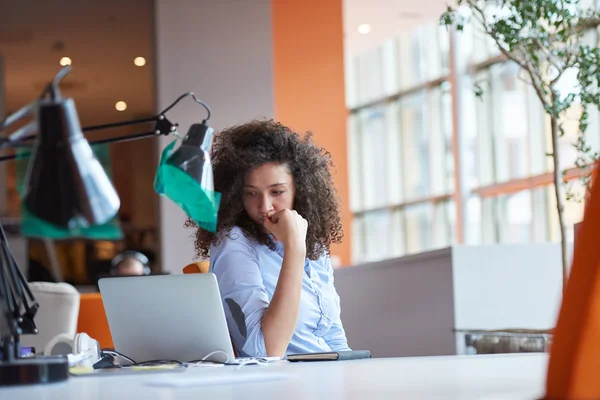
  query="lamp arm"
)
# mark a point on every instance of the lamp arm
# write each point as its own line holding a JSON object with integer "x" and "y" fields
{"x": 11, "y": 119}
{"x": 27, "y": 132}
{"x": 162, "y": 127}
{"x": 18, "y": 305}
{"x": 122, "y": 123}
{"x": 120, "y": 139}
{"x": 197, "y": 100}
{"x": 51, "y": 88}
{"x": 22, "y": 292}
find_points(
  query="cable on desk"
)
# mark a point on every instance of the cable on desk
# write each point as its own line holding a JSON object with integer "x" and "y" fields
{"x": 167, "y": 362}
{"x": 205, "y": 358}
{"x": 150, "y": 363}
{"x": 143, "y": 363}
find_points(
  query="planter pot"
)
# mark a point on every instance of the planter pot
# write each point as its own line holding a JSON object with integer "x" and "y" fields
{"x": 507, "y": 341}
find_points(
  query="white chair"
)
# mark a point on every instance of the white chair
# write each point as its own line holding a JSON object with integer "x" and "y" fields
{"x": 58, "y": 312}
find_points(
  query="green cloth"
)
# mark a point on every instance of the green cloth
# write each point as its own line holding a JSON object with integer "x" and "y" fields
{"x": 200, "y": 204}
{"x": 31, "y": 226}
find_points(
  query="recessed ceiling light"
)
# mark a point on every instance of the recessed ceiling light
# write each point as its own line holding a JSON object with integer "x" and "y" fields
{"x": 121, "y": 106}
{"x": 363, "y": 29}
{"x": 65, "y": 61}
{"x": 139, "y": 61}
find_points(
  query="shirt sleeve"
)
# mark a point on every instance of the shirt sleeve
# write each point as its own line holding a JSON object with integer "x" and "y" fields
{"x": 235, "y": 264}
{"x": 336, "y": 336}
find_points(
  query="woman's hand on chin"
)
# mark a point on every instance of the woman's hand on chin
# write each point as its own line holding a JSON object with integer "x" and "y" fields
{"x": 288, "y": 227}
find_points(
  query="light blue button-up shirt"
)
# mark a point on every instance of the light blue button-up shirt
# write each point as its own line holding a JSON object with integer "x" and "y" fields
{"x": 247, "y": 273}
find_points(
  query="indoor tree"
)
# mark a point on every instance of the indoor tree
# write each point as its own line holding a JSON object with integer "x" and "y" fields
{"x": 546, "y": 38}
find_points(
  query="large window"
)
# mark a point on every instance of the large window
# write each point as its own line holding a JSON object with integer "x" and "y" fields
{"x": 400, "y": 147}
{"x": 431, "y": 164}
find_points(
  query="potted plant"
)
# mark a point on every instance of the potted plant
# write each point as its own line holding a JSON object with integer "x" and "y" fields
{"x": 546, "y": 39}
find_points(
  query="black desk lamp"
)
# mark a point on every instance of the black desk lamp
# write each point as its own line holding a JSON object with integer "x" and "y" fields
{"x": 67, "y": 186}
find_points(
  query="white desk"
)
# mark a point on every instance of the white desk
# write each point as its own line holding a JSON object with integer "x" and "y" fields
{"x": 513, "y": 377}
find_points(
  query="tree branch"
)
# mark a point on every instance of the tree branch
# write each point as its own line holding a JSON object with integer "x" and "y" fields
{"x": 555, "y": 62}
{"x": 556, "y": 78}
{"x": 571, "y": 48}
{"x": 571, "y": 54}
{"x": 536, "y": 82}
{"x": 585, "y": 24}
{"x": 523, "y": 62}
{"x": 523, "y": 79}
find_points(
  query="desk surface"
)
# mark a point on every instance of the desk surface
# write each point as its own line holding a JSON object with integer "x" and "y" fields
{"x": 513, "y": 377}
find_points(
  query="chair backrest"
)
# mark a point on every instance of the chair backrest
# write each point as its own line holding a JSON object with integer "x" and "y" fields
{"x": 92, "y": 319}
{"x": 59, "y": 307}
{"x": 198, "y": 267}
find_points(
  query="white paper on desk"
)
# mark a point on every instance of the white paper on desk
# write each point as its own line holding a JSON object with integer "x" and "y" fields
{"x": 188, "y": 380}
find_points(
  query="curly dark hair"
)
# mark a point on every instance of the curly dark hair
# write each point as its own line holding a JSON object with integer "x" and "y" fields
{"x": 238, "y": 150}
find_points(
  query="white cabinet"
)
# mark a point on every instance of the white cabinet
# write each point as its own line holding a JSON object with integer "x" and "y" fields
{"x": 410, "y": 306}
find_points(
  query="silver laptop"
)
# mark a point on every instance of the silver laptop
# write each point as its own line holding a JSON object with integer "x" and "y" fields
{"x": 167, "y": 317}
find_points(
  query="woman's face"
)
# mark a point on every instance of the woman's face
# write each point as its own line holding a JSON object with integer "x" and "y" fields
{"x": 268, "y": 189}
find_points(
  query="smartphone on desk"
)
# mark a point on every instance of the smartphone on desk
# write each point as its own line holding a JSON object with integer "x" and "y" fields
{"x": 330, "y": 356}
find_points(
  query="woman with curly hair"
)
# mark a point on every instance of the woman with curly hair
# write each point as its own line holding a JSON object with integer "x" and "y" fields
{"x": 278, "y": 216}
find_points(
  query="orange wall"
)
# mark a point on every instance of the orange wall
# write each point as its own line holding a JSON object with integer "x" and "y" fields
{"x": 309, "y": 84}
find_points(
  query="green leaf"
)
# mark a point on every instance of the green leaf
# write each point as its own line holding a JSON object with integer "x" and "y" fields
{"x": 478, "y": 90}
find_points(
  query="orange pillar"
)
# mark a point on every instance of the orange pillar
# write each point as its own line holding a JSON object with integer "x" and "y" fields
{"x": 308, "y": 80}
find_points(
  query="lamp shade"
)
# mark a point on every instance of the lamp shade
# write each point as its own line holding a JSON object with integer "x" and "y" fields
{"x": 186, "y": 177}
{"x": 65, "y": 183}
{"x": 192, "y": 157}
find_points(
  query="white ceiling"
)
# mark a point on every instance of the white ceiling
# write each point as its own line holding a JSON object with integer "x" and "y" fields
{"x": 388, "y": 19}
{"x": 103, "y": 38}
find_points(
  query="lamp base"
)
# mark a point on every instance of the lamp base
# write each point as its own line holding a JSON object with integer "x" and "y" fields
{"x": 32, "y": 370}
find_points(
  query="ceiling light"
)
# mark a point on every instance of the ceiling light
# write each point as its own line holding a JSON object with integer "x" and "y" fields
{"x": 65, "y": 61}
{"x": 363, "y": 29}
{"x": 139, "y": 61}
{"x": 121, "y": 106}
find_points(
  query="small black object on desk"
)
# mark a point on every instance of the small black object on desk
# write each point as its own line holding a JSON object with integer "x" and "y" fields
{"x": 330, "y": 356}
